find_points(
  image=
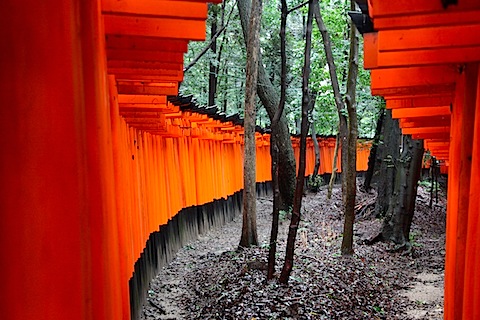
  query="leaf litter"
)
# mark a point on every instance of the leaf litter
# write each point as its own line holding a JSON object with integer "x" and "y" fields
{"x": 211, "y": 278}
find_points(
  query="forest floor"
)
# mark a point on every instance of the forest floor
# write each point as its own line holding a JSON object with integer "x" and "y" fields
{"x": 211, "y": 279}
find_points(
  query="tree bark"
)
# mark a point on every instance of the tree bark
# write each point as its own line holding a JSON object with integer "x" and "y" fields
{"x": 274, "y": 151}
{"x": 297, "y": 203}
{"x": 350, "y": 174}
{"x": 372, "y": 157}
{"x": 249, "y": 228}
{"x": 388, "y": 151}
{"x": 397, "y": 222}
{"x": 334, "y": 166}
{"x": 317, "y": 153}
{"x": 342, "y": 127}
{"x": 270, "y": 100}
{"x": 212, "y": 77}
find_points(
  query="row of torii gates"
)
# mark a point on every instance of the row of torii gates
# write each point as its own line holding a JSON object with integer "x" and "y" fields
{"x": 95, "y": 156}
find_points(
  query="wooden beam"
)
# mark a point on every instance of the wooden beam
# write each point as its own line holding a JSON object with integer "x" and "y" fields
{"x": 147, "y": 108}
{"x": 144, "y": 43}
{"x": 429, "y": 38}
{"x": 144, "y": 65}
{"x": 382, "y": 8}
{"x": 420, "y": 112}
{"x": 155, "y": 27}
{"x": 430, "y": 101}
{"x": 438, "y": 121}
{"x": 161, "y": 74}
{"x": 432, "y": 135}
{"x": 167, "y": 88}
{"x": 426, "y": 130}
{"x": 144, "y": 78}
{"x": 443, "y": 18}
{"x": 156, "y": 127}
{"x": 164, "y": 9}
{"x": 403, "y": 92}
{"x": 437, "y": 144}
{"x": 421, "y": 57}
{"x": 146, "y": 121}
{"x": 145, "y": 56}
{"x": 412, "y": 76}
{"x": 142, "y": 99}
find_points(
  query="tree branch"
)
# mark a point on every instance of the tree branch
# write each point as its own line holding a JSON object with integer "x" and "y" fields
{"x": 209, "y": 44}
{"x": 297, "y": 7}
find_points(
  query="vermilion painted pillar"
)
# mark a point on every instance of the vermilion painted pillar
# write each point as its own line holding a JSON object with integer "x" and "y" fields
{"x": 57, "y": 236}
{"x": 41, "y": 185}
{"x": 471, "y": 301}
{"x": 462, "y": 129}
{"x": 122, "y": 185}
{"x": 452, "y": 197}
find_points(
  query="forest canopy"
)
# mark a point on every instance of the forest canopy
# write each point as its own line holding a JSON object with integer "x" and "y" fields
{"x": 227, "y": 64}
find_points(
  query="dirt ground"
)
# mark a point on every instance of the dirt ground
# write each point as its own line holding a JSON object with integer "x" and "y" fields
{"x": 211, "y": 279}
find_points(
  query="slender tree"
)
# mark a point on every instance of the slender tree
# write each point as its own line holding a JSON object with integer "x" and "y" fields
{"x": 348, "y": 127}
{"x": 334, "y": 165}
{"x": 249, "y": 228}
{"x": 342, "y": 114}
{"x": 316, "y": 147}
{"x": 270, "y": 100}
{"x": 212, "y": 77}
{"x": 297, "y": 203}
{"x": 274, "y": 148}
{"x": 350, "y": 171}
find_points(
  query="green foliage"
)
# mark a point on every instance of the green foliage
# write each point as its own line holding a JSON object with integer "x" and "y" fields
{"x": 231, "y": 74}
{"x": 284, "y": 214}
{"x": 379, "y": 310}
{"x": 412, "y": 238}
{"x": 313, "y": 184}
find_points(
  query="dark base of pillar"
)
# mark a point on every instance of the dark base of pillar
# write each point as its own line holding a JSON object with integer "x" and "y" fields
{"x": 185, "y": 227}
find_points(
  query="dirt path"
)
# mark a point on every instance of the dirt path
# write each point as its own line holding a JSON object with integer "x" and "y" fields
{"x": 210, "y": 279}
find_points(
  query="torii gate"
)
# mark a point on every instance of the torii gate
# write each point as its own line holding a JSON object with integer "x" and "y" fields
{"x": 424, "y": 59}
{"x": 97, "y": 161}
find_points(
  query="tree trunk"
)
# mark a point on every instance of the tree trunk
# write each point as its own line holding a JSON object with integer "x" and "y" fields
{"x": 397, "y": 222}
{"x": 342, "y": 127}
{"x": 350, "y": 170}
{"x": 389, "y": 152}
{"x": 212, "y": 78}
{"x": 249, "y": 228}
{"x": 317, "y": 153}
{"x": 270, "y": 100}
{"x": 274, "y": 151}
{"x": 297, "y": 203}
{"x": 334, "y": 166}
{"x": 432, "y": 180}
{"x": 372, "y": 157}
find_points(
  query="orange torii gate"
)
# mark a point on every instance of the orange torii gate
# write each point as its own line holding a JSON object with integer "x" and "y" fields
{"x": 424, "y": 59}
{"x": 103, "y": 173}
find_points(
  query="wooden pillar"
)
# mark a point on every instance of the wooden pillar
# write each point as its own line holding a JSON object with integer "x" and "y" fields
{"x": 471, "y": 293}
{"x": 41, "y": 188}
{"x": 58, "y": 232}
{"x": 121, "y": 185}
{"x": 463, "y": 117}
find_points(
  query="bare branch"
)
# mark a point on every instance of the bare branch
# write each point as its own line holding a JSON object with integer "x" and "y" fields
{"x": 297, "y": 7}
{"x": 209, "y": 44}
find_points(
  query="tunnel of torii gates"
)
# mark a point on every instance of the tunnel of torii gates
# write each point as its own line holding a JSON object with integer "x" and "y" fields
{"x": 105, "y": 171}
{"x": 424, "y": 59}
